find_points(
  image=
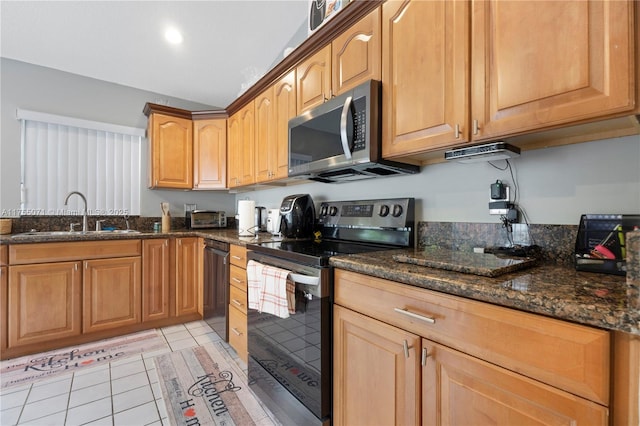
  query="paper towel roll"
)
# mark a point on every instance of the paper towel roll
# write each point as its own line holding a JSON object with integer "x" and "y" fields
{"x": 246, "y": 218}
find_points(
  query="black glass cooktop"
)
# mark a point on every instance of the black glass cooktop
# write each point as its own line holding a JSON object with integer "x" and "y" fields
{"x": 313, "y": 252}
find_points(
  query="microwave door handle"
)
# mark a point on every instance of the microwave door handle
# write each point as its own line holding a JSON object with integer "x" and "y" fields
{"x": 346, "y": 145}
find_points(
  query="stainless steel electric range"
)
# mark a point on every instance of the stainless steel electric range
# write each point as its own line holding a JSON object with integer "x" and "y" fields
{"x": 290, "y": 359}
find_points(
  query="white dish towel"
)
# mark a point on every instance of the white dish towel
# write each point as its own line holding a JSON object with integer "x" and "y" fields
{"x": 267, "y": 288}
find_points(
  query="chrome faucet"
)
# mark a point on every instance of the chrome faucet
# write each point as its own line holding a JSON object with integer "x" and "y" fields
{"x": 84, "y": 212}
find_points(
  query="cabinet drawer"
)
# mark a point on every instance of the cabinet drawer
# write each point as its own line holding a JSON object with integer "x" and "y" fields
{"x": 238, "y": 298}
{"x": 4, "y": 255}
{"x": 238, "y": 277}
{"x": 568, "y": 356}
{"x": 81, "y": 250}
{"x": 238, "y": 331}
{"x": 238, "y": 255}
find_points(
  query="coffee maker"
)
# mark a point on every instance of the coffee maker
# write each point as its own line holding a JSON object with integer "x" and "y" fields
{"x": 298, "y": 216}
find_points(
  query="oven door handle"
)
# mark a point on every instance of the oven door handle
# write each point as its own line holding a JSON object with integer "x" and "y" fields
{"x": 304, "y": 279}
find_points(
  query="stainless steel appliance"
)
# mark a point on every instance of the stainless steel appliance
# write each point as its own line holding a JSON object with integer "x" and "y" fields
{"x": 298, "y": 215}
{"x": 290, "y": 360}
{"x": 216, "y": 287}
{"x": 260, "y": 219}
{"x": 340, "y": 140}
{"x": 203, "y": 219}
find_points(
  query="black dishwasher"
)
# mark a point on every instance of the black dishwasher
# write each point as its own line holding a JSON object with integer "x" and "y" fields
{"x": 216, "y": 287}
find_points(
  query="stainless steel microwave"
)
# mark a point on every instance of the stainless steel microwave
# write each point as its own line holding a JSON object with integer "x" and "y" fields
{"x": 340, "y": 140}
{"x": 202, "y": 219}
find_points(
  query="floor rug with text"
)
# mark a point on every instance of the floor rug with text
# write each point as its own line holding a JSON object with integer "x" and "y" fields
{"x": 31, "y": 368}
{"x": 203, "y": 385}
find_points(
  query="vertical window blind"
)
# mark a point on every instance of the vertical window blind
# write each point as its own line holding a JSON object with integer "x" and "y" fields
{"x": 64, "y": 154}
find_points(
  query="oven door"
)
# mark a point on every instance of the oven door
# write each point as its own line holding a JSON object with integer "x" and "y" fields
{"x": 290, "y": 359}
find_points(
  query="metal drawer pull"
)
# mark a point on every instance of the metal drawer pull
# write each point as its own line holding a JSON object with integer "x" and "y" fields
{"x": 304, "y": 279}
{"x": 235, "y": 330}
{"x": 430, "y": 320}
{"x": 405, "y": 346}
{"x": 236, "y": 257}
{"x": 236, "y": 302}
{"x": 425, "y": 355}
{"x": 237, "y": 280}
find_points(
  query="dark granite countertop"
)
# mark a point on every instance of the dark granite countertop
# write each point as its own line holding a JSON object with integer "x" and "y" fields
{"x": 560, "y": 292}
{"x": 226, "y": 235}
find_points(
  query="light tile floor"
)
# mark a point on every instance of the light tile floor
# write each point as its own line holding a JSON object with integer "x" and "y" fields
{"x": 123, "y": 393}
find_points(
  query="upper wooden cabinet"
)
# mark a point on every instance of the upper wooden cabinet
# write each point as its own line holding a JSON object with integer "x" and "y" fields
{"x": 210, "y": 153}
{"x": 356, "y": 54}
{"x": 274, "y": 107}
{"x": 352, "y": 58}
{"x": 187, "y": 150}
{"x": 241, "y": 147}
{"x": 265, "y": 137}
{"x": 425, "y": 77}
{"x": 537, "y": 65}
{"x": 170, "y": 152}
{"x": 459, "y": 72}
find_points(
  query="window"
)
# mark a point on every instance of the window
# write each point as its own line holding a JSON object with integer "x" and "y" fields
{"x": 63, "y": 154}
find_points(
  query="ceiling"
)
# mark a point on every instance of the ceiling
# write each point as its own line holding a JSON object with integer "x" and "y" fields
{"x": 228, "y": 44}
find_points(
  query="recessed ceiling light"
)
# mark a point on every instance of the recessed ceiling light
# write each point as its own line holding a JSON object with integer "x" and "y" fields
{"x": 173, "y": 36}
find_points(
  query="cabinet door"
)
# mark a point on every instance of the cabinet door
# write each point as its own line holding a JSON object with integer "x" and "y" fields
{"x": 265, "y": 143}
{"x": 188, "y": 278}
{"x": 543, "y": 64}
{"x": 285, "y": 109}
{"x": 56, "y": 286}
{"x": 458, "y": 389}
{"x": 356, "y": 54}
{"x": 155, "y": 279}
{"x": 425, "y": 77}
{"x": 171, "y": 147}
{"x": 313, "y": 80}
{"x": 238, "y": 331}
{"x": 111, "y": 293}
{"x": 210, "y": 154}
{"x": 241, "y": 147}
{"x": 375, "y": 383}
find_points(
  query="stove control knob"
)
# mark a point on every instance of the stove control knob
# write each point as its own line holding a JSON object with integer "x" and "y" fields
{"x": 333, "y": 210}
{"x": 323, "y": 210}
{"x": 384, "y": 210}
{"x": 397, "y": 210}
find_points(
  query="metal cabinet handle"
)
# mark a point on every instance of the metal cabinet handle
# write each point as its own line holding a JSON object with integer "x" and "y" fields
{"x": 405, "y": 346}
{"x": 237, "y": 280}
{"x": 236, "y": 257}
{"x": 457, "y": 131}
{"x": 430, "y": 320}
{"x": 234, "y": 301}
{"x": 476, "y": 127}
{"x": 425, "y": 355}
{"x": 237, "y": 333}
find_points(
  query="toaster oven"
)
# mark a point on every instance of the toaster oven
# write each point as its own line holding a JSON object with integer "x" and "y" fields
{"x": 202, "y": 219}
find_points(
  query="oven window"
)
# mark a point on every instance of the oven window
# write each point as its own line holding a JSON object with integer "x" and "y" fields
{"x": 295, "y": 350}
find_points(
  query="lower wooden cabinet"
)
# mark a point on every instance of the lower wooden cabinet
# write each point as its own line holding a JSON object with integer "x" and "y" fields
{"x": 56, "y": 286}
{"x": 111, "y": 293}
{"x": 155, "y": 279}
{"x": 459, "y": 389}
{"x": 188, "y": 275}
{"x": 389, "y": 370}
{"x": 96, "y": 289}
{"x": 238, "y": 300}
{"x": 374, "y": 383}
